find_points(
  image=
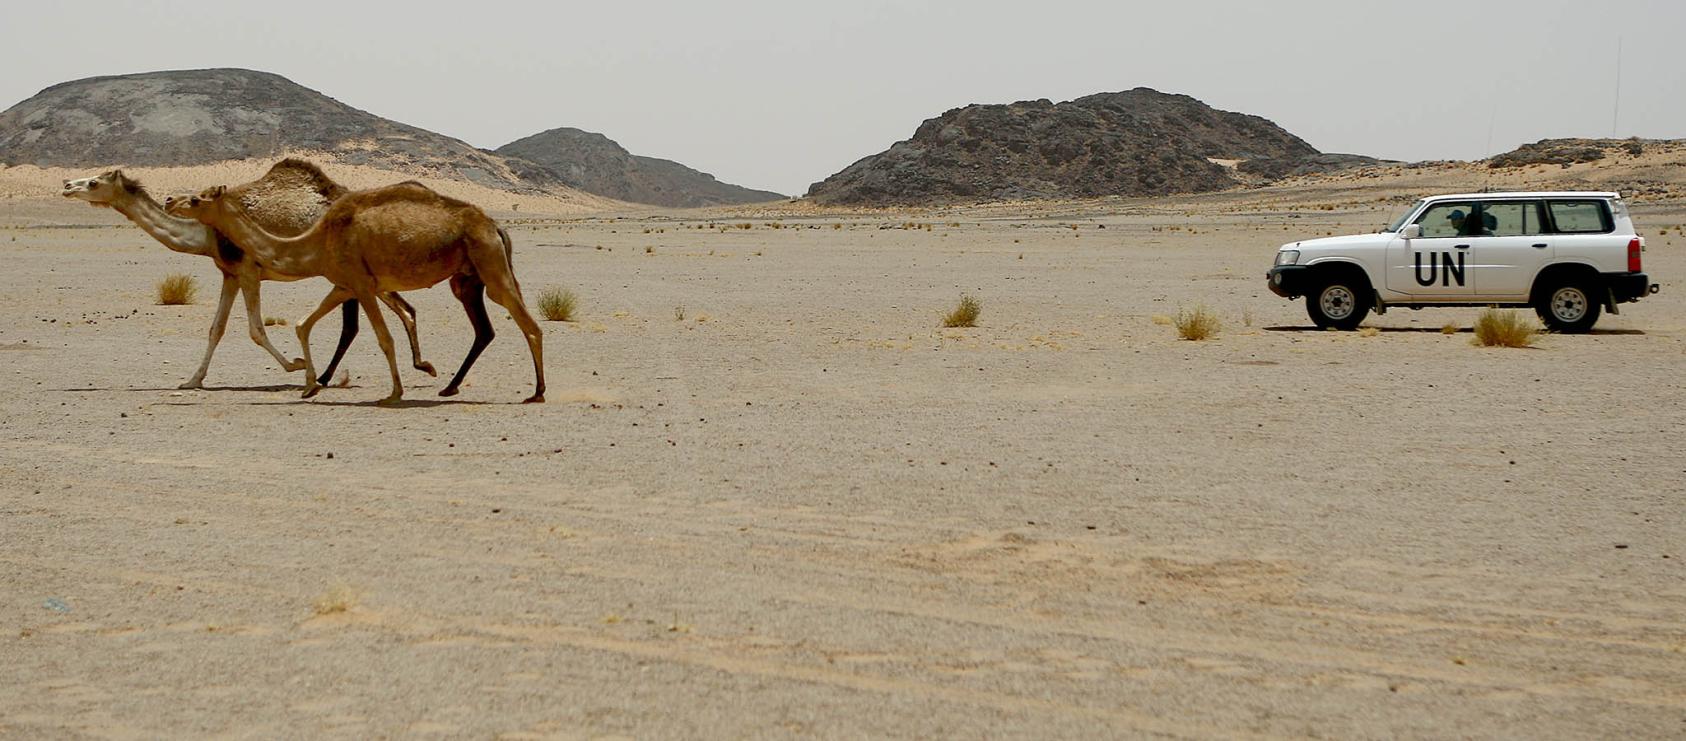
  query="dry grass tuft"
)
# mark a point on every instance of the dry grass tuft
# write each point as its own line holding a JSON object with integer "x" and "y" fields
{"x": 1163, "y": 320}
{"x": 1449, "y": 328}
{"x": 274, "y": 321}
{"x": 1504, "y": 328}
{"x": 1368, "y": 332}
{"x": 558, "y": 305}
{"x": 965, "y": 314}
{"x": 1198, "y": 324}
{"x": 177, "y": 289}
{"x": 339, "y": 598}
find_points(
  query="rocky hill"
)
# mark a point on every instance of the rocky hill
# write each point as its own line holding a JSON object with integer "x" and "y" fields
{"x": 596, "y": 164}
{"x": 1139, "y": 142}
{"x": 1567, "y": 152}
{"x": 197, "y": 117}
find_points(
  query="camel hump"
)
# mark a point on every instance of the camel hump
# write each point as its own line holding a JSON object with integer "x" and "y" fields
{"x": 410, "y": 191}
{"x": 289, "y": 198}
{"x": 305, "y": 172}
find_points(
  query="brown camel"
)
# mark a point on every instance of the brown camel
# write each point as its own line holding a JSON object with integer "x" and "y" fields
{"x": 397, "y": 238}
{"x": 289, "y": 199}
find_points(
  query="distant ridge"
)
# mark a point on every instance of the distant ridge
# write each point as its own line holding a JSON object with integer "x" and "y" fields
{"x": 1139, "y": 142}
{"x": 196, "y": 117}
{"x": 596, "y": 164}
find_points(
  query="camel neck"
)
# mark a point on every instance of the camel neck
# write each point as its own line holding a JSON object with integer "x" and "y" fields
{"x": 180, "y": 235}
{"x": 290, "y": 256}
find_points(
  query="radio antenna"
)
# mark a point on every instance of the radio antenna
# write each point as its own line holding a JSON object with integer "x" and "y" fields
{"x": 1492, "y": 123}
{"x": 1616, "y": 115}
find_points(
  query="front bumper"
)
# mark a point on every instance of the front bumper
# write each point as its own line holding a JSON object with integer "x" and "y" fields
{"x": 1626, "y": 287}
{"x": 1290, "y": 281}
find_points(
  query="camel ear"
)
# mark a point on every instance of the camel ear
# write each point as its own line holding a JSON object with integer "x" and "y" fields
{"x": 216, "y": 191}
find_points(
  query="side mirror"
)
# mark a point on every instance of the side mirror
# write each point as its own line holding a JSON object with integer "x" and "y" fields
{"x": 1414, "y": 231}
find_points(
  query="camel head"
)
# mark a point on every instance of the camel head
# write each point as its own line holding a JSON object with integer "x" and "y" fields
{"x": 201, "y": 208}
{"x": 101, "y": 190}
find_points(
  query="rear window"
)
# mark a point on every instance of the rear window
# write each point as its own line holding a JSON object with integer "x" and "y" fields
{"x": 1581, "y": 217}
{"x": 1513, "y": 218}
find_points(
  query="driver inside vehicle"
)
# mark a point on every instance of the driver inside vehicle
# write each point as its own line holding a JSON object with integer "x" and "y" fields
{"x": 1471, "y": 225}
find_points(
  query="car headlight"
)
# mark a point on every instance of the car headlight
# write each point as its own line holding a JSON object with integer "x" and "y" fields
{"x": 1287, "y": 257}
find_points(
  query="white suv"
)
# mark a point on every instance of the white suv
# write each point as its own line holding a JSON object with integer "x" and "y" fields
{"x": 1568, "y": 255}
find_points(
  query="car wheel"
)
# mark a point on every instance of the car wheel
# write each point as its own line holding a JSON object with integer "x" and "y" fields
{"x": 1338, "y": 304}
{"x": 1569, "y": 307}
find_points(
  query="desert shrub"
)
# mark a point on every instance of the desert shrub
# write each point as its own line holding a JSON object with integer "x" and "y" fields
{"x": 1504, "y": 328}
{"x": 1368, "y": 332}
{"x": 557, "y": 305}
{"x": 177, "y": 289}
{"x": 1449, "y": 328}
{"x": 339, "y": 598}
{"x": 965, "y": 314}
{"x": 1197, "y": 324}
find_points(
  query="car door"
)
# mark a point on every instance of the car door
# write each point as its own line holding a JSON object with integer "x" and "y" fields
{"x": 1584, "y": 231}
{"x": 1511, "y": 250}
{"x": 1435, "y": 265}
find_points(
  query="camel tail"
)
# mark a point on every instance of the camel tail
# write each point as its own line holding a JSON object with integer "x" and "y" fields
{"x": 508, "y": 246}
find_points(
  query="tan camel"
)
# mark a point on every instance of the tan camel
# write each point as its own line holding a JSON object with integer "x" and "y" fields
{"x": 290, "y": 197}
{"x": 397, "y": 238}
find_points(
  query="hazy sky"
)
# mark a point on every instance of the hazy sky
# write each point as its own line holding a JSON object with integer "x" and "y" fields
{"x": 778, "y": 95}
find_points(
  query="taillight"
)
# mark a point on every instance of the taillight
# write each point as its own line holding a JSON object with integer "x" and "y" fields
{"x": 1633, "y": 249}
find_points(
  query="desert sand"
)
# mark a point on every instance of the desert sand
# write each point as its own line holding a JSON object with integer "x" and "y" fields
{"x": 770, "y": 497}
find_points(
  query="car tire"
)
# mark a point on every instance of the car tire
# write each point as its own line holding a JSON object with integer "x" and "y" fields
{"x": 1339, "y": 303}
{"x": 1569, "y": 306}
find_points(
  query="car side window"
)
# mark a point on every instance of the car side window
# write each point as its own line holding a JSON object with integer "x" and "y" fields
{"x": 1447, "y": 220}
{"x": 1580, "y": 217}
{"x": 1513, "y": 218}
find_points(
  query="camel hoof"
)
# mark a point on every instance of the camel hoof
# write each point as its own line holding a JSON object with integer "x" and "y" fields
{"x": 534, "y": 399}
{"x": 296, "y": 365}
{"x": 310, "y": 391}
{"x": 390, "y": 401}
{"x": 448, "y": 391}
{"x": 427, "y": 368}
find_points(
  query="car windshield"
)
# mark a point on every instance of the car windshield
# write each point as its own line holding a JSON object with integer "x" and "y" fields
{"x": 1399, "y": 221}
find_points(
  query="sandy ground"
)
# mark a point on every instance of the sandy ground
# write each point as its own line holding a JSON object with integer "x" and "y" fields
{"x": 803, "y": 509}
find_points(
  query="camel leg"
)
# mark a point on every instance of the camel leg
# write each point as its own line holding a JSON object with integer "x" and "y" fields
{"x": 348, "y": 332}
{"x": 471, "y": 292}
{"x": 230, "y": 286}
{"x": 249, "y": 288}
{"x": 502, "y": 287}
{"x": 333, "y": 299}
{"x": 407, "y": 316}
{"x": 378, "y": 323}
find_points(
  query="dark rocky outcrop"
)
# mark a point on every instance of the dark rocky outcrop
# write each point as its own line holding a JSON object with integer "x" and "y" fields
{"x": 1135, "y": 143}
{"x": 195, "y": 117}
{"x": 1566, "y": 152}
{"x": 1278, "y": 168}
{"x": 596, "y": 164}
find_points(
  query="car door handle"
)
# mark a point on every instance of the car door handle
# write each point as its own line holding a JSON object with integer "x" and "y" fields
{"x": 1463, "y": 247}
{"x": 1541, "y": 246}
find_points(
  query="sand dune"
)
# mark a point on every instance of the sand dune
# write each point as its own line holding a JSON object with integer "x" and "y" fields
{"x": 30, "y": 182}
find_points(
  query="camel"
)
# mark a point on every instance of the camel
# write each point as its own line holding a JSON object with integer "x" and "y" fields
{"x": 294, "y": 192}
{"x": 397, "y": 238}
